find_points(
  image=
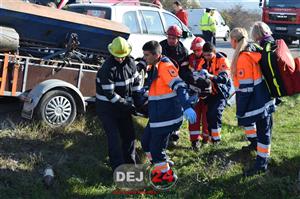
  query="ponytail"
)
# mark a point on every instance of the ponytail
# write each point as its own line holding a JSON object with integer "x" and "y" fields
{"x": 240, "y": 34}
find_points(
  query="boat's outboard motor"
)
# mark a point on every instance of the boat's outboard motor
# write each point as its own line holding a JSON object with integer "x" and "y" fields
{"x": 9, "y": 39}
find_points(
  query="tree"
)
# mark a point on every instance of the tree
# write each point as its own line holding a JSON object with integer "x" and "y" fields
{"x": 167, "y": 4}
{"x": 238, "y": 17}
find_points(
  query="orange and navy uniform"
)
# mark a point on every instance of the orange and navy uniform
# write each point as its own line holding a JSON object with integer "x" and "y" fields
{"x": 167, "y": 94}
{"x": 167, "y": 97}
{"x": 200, "y": 107}
{"x": 254, "y": 103}
{"x": 219, "y": 67}
{"x": 252, "y": 96}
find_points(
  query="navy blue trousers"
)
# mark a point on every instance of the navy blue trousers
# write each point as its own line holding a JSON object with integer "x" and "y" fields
{"x": 156, "y": 143}
{"x": 264, "y": 134}
{"x": 120, "y": 133}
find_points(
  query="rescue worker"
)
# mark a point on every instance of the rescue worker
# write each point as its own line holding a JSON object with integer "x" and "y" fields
{"x": 261, "y": 33}
{"x": 167, "y": 98}
{"x": 200, "y": 107}
{"x": 208, "y": 25}
{"x": 117, "y": 84}
{"x": 215, "y": 67}
{"x": 253, "y": 101}
{"x": 173, "y": 48}
{"x": 180, "y": 12}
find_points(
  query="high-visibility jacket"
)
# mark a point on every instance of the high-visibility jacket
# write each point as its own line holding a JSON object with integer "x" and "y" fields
{"x": 253, "y": 100}
{"x": 208, "y": 23}
{"x": 219, "y": 67}
{"x": 167, "y": 96}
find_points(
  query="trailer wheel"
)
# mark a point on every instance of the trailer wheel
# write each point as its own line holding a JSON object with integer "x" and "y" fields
{"x": 57, "y": 108}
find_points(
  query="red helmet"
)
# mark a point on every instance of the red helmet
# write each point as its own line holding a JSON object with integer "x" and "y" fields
{"x": 174, "y": 31}
{"x": 197, "y": 43}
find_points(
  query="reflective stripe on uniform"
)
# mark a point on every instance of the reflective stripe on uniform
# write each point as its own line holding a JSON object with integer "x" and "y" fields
{"x": 165, "y": 123}
{"x": 263, "y": 150}
{"x": 246, "y": 81}
{"x": 250, "y": 131}
{"x": 216, "y": 134}
{"x": 161, "y": 97}
{"x": 181, "y": 84}
{"x": 136, "y": 88}
{"x": 257, "y": 111}
{"x": 173, "y": 81}
{"x": 104, "y": 98}
{"x": 162, "y": 167}
{"x": 108, "y": 86}
{"x": 245, "y": 90}
{"x": 124, "y": 83}
{"x": 98, "y": 80}
{"x": 194, "y": 132}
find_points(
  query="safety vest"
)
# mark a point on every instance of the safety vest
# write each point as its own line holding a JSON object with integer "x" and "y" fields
{"x": 253, "y": 100}
{"x": 208, "y": 23}
{"x": 165, "y": 108}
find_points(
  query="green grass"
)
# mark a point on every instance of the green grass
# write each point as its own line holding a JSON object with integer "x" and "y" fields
{"x": 78, "y": 155}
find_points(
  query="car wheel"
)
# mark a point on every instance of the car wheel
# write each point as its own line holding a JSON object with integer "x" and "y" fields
{"x": 226, "y": 36}
{"x": 57, "y": 108}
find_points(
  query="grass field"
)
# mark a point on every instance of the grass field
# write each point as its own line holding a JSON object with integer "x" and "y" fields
{"x": 78, "y": 155}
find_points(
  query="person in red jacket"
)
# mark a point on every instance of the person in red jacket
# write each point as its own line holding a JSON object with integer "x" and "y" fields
{"x": 200, "y": 107}
{"x": 180, "y": 12}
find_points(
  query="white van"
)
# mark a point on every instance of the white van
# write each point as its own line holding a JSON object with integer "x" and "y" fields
{"x": 194, "y": 23}
{"x": 145, "y": 22}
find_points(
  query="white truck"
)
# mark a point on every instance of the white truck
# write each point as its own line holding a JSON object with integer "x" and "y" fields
{"x": 194, "y": 23}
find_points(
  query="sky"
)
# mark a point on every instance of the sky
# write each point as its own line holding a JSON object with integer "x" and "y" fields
{"x": 225, "y": 4}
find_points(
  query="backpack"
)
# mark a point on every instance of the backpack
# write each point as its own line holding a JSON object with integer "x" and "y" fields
{"x": 279, "y": 69}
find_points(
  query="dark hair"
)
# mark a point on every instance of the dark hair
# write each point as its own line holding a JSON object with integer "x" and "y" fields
{"x": 177, "y": 3}
{"x": 153, "y": 46}
{"x": 208, "y": 47}
{"x": 207, "y": 10}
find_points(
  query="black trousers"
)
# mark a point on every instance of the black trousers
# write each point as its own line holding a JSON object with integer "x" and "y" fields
{"x": 119, "y": 130}
{"x": 209, "y": 37}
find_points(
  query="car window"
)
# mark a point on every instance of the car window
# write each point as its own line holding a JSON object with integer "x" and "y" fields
{"x": 153, "y": 22}
{"x": 100, "y": 12}
{"x": 170, "y": 20}
{"x": 142, "y": 22}
{"x": 131, "y": 21}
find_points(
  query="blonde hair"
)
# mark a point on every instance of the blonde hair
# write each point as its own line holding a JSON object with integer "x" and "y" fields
{"x": 241, "y": 35}
{"x": 259, "y": 30}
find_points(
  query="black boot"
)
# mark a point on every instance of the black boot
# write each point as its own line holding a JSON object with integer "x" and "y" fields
{"x": 254, "y": 171}
{"x": 250, "y": 147}
{"x": 195, "y": 145}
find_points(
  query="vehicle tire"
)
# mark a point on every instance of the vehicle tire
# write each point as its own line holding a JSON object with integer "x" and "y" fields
{"x": 57, "y": 108}
{"x": 226, "y": 36}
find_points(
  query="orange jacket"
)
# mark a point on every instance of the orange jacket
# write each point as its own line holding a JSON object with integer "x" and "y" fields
{"x": 253, "y": 100}
{"x": 220, "y": 68}
{"x": 167, "y": 96}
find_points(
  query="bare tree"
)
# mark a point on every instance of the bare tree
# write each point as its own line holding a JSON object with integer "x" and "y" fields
{"x": 238, "y": 17}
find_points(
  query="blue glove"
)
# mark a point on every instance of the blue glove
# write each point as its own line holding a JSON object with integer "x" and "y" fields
{"x": 190, "y": 115}
{"x": 205, "y": 74}
{"x": 193, "y": 99}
